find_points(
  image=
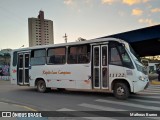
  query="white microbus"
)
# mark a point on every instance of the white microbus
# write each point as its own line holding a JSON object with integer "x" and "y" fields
{"x": 105, "y": 64}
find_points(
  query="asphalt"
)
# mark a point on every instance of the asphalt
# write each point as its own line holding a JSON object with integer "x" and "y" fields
{"x": 7, "y": 110}
{"x": 9, "y": 107}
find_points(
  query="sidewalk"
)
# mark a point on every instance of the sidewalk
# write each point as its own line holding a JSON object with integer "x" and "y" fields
{"x": 154, "y": 79}
{"x": 155, "y": 82}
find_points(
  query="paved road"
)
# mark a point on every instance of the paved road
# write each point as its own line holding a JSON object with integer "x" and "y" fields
{"x": 148, "y": 100}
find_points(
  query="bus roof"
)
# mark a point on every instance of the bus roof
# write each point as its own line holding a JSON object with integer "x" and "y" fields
{"x": 72, "y": 43}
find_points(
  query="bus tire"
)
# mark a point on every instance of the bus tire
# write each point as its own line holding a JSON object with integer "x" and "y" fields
{"x": 41, "y": 86}
{"x": 121, "y": 91}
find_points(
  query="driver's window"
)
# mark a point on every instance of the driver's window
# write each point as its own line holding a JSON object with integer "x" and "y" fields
{"x": 115, "y": 58}
{"x": 125, "y": 57}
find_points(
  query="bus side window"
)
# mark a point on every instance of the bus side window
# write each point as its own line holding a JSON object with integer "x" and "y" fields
{"x": 79, "y": 54}
{"x": 56, "y": 55}
{"x": 38, "y": 57}
{"x": 52, "y": 59}
{"x": 14, "y": 59}
{"x": 72, "y": 59}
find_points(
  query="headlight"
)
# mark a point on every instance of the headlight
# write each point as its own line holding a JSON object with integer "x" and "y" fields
{"x": 141, "y": 78}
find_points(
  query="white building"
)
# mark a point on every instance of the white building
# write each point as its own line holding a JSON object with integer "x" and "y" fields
{"x": 40, "y": 30}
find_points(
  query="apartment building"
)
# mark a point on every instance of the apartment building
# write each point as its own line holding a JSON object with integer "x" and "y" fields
{"x": 40, "y": 31}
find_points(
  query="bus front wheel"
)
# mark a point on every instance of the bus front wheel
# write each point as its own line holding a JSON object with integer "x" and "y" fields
{"x": 41, "y": 86}
{"x": 121, "y": 91}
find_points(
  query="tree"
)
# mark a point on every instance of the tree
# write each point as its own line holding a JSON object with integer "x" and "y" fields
{"x": 80, "y": 39}
{"x": 7, "y": 57}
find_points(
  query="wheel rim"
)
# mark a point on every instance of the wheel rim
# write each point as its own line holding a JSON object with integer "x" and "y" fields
{"x": 41, "y": 86}
{"x": 120, "y": 91}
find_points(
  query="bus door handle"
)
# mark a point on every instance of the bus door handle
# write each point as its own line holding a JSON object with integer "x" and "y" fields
{"x": 71, "y": 80}
{"x": 86, "y": 65}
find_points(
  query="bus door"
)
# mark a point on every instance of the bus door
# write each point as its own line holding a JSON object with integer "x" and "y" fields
{"x": 100, "y": 67}
{"x": 23, "y": 68}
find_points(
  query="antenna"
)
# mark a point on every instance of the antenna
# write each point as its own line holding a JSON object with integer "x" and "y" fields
{"x": 65, "y": 37}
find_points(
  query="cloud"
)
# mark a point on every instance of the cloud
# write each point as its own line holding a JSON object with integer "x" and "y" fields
{"x": 68, "y": 2}
{"x": 137, "y": 12}
{"x": 150, "y": 22}
{"x": 132, "y": 2}
{"x": 109, "y": 2}
{"x": 155, "y": 10}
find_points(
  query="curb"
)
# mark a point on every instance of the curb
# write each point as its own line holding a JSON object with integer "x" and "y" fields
{"x": 155, "y": 82}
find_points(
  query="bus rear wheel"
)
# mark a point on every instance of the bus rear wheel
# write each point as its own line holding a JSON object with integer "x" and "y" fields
{"x": 121, "y": 91}
{"x": 41, "y": 86}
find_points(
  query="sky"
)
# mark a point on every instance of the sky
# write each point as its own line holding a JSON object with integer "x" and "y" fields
{"x": 77, "y": 18}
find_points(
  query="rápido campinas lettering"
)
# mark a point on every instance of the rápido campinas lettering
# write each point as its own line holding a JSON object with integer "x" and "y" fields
{"x": 54, "y": 72}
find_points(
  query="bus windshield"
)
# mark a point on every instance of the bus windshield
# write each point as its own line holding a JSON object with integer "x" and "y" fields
{"x": 140, "y": 67}
{"x": 134, "y": 53}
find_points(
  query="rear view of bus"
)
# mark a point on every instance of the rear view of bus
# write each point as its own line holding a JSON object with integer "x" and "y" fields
{"x": 106, "y": 64}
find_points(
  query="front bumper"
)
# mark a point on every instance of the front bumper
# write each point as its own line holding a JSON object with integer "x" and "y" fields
{"x": 146, "y": 86}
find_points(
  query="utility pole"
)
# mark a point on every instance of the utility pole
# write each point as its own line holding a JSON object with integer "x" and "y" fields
{"x": 65, "y": 37}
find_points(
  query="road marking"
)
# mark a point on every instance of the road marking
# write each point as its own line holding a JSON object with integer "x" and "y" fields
{"x": 26, "y": 107}
{"x": 129, "y": 104}
{"x": 153, "y": 86}
{"x": 6, "y": 101}
{"x": 98, "y": 107}
{"x": 154, "y": 97}
{"x": 99, "y": 118}
{"x": 65, "y": 109}
{"x": 147, "y": 101}
{"x": 151, "y": 90}
{"x": 145, "y": 93}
